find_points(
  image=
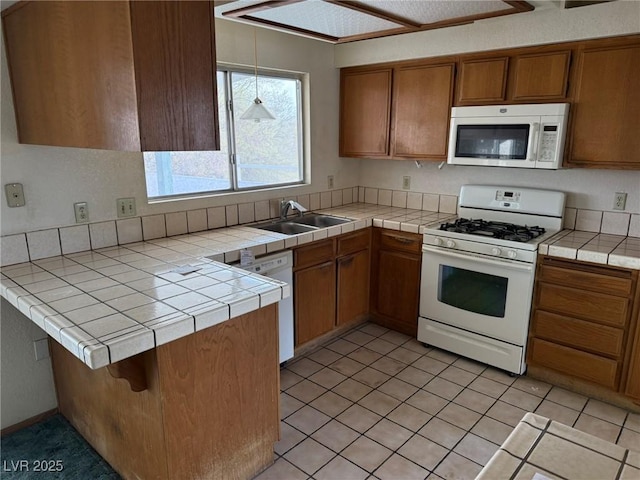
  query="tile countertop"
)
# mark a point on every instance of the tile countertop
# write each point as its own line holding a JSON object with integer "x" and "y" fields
{"x": 542, "y": 449}
{"x": 614, "y": 250}
{"x": 110, "y": 304}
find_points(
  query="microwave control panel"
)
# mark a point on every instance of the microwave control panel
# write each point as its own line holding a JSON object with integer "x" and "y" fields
{"x": 548, "y": 143}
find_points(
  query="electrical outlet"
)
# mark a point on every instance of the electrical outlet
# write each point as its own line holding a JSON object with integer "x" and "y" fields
{"x": 82, "y": 212}
{"x": 406, "y": 182}
{"x": 330, "y": 182}
{"x": 619, "y": 201}
{"x": 126, "y": 207}
{"x": 15, "y": 194}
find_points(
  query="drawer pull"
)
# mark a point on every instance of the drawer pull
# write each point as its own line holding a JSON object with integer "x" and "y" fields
{"x": 406, "y": 241}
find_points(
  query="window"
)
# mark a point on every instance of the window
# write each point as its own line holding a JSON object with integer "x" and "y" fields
{"x": 252, "y": 154}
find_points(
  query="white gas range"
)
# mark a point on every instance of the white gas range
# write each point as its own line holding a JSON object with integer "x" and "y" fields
{"x": 478, "y": 272}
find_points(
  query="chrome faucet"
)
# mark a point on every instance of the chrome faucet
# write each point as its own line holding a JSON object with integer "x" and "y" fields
{"x": 286, "y": 205}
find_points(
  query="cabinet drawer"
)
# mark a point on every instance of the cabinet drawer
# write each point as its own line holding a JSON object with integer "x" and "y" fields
{"x": 354, "y": 242}
{"x": 579, "y": 334}
{"x": 402, "y": 241}
{"x": 595, "y": 279}
{"x": 313, "y": 254}
{"x": 597, "y": 307}
{"x": 574, "y": 362}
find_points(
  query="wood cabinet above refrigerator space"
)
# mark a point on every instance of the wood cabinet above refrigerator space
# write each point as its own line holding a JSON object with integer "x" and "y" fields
{"x": 114, "y": 75}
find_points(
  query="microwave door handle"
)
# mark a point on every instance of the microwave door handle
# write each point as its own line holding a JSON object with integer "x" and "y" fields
{"x": 534, "y": 143}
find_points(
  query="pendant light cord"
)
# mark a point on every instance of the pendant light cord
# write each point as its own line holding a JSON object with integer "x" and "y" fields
{"x": 255, "y": 56}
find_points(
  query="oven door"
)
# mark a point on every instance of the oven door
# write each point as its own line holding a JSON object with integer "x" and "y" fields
{"x": 479, "y": 294}
{"x": 495, "y": 142}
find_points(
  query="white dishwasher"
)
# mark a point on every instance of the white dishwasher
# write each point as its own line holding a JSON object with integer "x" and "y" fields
{"x": 279, "y": 266}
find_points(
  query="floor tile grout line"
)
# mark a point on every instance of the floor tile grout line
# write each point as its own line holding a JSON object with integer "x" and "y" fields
{"x": 413, "y": 430}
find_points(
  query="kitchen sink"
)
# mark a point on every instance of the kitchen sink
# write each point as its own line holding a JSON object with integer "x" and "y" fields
{"x": 307, "y": 223}
{"x": 320, "y": 221}
{"x": 287, "y": 227}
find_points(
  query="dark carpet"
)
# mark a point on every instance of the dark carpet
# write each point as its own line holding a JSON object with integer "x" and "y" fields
{"x": 51, "y": 449}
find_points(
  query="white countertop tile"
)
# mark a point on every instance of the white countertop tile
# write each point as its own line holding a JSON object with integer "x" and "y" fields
{"x": 121, "y": 300}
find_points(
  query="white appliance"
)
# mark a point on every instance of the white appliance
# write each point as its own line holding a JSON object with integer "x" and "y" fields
{"x": 521, "y": 136}
{"x": 478, "y": 271}
{"x": 279, "y": 266}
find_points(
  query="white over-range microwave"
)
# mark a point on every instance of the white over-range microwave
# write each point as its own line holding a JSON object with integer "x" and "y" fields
{"x": 522, "y": 136}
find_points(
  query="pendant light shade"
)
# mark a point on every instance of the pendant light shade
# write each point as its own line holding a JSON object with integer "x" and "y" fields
{"x": 257, "y": 111}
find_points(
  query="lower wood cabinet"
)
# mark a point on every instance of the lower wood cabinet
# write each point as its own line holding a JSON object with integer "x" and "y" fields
{"x": 582, "y": 323}
{"x": 395, "y": 280}
{"x": 331, "y": 284}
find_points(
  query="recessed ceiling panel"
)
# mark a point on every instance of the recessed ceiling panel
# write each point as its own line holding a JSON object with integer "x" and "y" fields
{"x": 436, "y": 10}
{"x": 325, "y": 18}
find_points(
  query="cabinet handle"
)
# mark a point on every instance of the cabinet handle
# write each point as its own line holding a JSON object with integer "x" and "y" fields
{"x": 406, "y": 241}
{"x": 347, "y": 261}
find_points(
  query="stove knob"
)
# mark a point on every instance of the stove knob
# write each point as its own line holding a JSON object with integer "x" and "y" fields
{"x": 512, "y": 253}
{"x": 437, "y": 241}
{"x": 496, "y": 251}
{"x": 451, "y": 243}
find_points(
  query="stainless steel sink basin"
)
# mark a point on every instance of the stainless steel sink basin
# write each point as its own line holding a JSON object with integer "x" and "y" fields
{"x": 320, "y": 221}
{"x": 286, "y": 227}
{"x": 307, "y": 223}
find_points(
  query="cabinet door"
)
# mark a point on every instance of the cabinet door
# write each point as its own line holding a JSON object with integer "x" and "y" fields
{"x": 353, "y": 287}
{"x": 604, "y": 130}
{"x": 365, "y": 106}
{"x": 482, "y": 81}
{"x": 632, "y": 387}
{"x": 315, "y": 301}
{"x": 174, "y": 53}
{"x": 421, "y": 110}
{"x": 541, "y": 76}
{"x": 71, "y": 68}
{"x": 397, "y": 290}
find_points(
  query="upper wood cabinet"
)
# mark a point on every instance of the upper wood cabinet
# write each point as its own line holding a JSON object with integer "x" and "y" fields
{"x": 522, "y": 76}
{"x": 422, "y": 97}
{"x": 396, "y": 112}
{"x": 482, "y": 81}
{"x": 174, "y": 56}
{"x": 71, "y": 67}
{"x": 605, "y": 111}
{"x": 540, "y": 76}
{"x": 365, "y": 108}
{"x": 114, "y": 75}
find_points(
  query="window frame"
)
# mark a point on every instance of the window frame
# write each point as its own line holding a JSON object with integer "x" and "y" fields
{"x": 230, "y": 112}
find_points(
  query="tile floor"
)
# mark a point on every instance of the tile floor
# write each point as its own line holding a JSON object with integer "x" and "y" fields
{"x": 377, "y": 404}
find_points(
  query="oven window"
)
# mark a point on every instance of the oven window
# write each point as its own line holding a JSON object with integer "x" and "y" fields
{"x": 472, "y": 291}
{"x": 505, "y": 142}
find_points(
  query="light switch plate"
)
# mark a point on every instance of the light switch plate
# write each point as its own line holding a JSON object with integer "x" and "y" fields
{"x": 126, "y": 207}
{"x": 15, "y": 194}
{"x": 41, "y": 348}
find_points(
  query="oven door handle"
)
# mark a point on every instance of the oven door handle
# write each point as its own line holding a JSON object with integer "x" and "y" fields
{"x": 523, "y": 267}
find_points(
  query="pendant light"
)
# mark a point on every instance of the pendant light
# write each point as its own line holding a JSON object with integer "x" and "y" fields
{"x": 257, "y": 111}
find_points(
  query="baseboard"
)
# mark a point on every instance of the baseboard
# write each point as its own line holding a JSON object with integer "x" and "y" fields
{"x": 28, "y": 422}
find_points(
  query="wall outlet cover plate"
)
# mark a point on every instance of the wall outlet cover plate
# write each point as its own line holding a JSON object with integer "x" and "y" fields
{"x": 15, "y": 194}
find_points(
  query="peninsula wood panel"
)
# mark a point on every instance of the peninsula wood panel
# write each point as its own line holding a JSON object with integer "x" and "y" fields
{"x": 71, "y": 68}
{"x": 365, "y": 112}
{"x": 123, "y": 426}
{"x": 174, "y": 53}
{"x": 632, "y": 386}
{"x": 421, "y": 110}
{"x": 542, "y": 76}
{"x": 604, "y": 126}
{"x": 210, "y": 410}
{"x": 221, "y": 398}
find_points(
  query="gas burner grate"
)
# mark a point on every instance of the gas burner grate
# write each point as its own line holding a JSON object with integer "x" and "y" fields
{"x": 501, "y": 230}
